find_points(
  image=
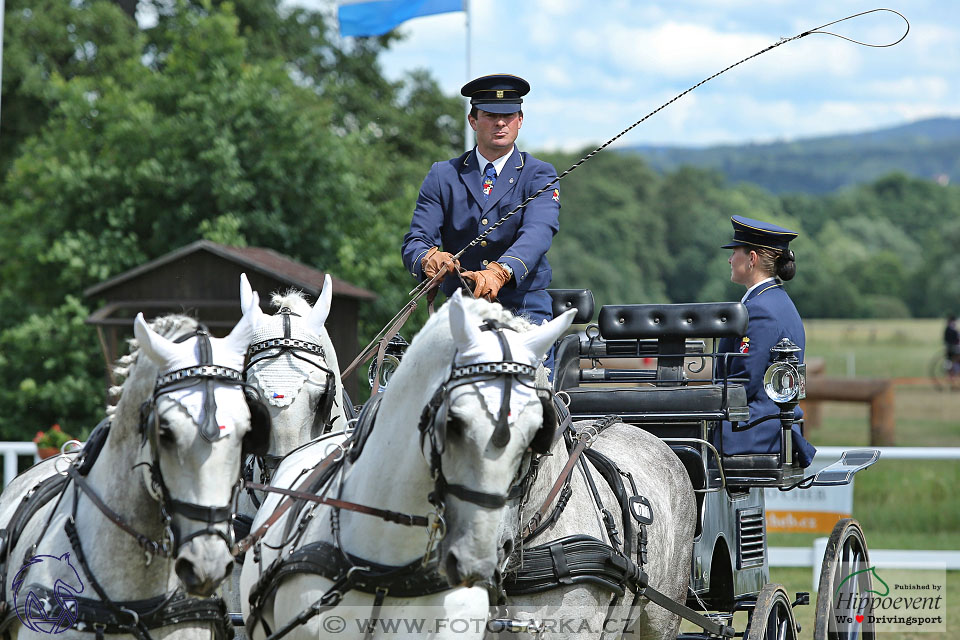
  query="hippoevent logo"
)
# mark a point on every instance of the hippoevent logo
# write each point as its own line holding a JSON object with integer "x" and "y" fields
{"x": 47, "y": 610}
{"x": 900, "y": 600}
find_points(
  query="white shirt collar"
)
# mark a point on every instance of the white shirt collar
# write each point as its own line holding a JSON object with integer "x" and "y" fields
{"x": 747, "y": 294}
{"x": 498, "y": 164}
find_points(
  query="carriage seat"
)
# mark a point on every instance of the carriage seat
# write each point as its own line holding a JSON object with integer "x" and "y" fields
{"x": 761, "y": 470}
{"x": 686, "y": 401}
{"x": 579, "y": 299}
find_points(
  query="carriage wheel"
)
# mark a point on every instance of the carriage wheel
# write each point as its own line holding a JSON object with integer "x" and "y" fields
{"x": 845, "y": 574}
{"x": 772, "y": 617}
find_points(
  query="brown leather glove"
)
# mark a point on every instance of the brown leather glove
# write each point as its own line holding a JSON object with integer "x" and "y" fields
{"x": 487, "y": 283}
{"x": 435, "y": 259}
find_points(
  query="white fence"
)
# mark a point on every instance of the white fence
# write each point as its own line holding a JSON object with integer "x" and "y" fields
{"x": 891, "y": 558}
{"x": 11, "y": 452}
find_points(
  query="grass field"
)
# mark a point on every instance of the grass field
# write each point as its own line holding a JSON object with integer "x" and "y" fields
{"x": 901, "y": 504}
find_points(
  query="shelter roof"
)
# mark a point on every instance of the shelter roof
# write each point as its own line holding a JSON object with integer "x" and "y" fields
{"x": 255, "y": 259}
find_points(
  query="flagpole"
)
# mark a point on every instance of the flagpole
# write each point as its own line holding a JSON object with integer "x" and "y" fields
{"x": 467, "y": 134}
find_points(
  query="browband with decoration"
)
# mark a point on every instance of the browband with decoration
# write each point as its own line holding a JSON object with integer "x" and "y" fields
{"x": 285, "y": 342}
{"x": 498, "y": 368}
{"x": 199, "y": 371}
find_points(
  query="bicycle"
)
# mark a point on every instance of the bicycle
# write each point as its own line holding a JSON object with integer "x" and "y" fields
{"x": 944, "y": 372}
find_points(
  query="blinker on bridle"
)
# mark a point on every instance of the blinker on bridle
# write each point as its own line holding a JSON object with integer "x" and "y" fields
{"x": 288, "y": 344}
{"x": 435, "y": 412}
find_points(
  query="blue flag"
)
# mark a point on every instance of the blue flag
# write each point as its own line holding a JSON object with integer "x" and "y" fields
{"x": 376, "y": 17}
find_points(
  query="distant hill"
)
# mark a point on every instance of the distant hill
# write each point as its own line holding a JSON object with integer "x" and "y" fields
{"x": 926, "y": 149}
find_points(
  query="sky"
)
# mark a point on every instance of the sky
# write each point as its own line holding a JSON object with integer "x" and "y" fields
{"x": 597, "y": 66}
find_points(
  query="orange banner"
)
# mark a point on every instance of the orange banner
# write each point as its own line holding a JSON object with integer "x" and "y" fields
{"x": 803, "y": 521}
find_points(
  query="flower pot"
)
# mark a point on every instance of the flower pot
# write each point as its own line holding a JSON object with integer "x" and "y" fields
{"x": 47, "y": 452}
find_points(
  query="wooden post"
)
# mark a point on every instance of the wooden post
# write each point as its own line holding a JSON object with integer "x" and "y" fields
{"x": 882, "y": 419}
{"x": 813, "y": 410}
{"x": 878, "y": 393}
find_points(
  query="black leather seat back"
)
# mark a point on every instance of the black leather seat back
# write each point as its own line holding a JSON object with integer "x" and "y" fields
{"x": 579, "y": 299}
{"x": 660, "y": 321}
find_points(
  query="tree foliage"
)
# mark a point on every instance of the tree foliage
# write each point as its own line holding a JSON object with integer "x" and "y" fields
{"x": 237, "y": 122}
{"x": 252, "y": 123}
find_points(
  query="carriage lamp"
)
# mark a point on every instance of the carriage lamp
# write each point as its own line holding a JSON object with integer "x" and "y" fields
{"x": 785, "y": 379}
{"x": 785, "y": 382}
{"x": 391, "y": 360}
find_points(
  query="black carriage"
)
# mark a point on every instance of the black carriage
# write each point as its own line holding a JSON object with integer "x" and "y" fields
{"x": 653, "y": 367}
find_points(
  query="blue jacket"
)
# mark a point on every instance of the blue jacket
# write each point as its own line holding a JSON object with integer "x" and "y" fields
{"x": 772, "y": 316}
{"x": 450, "y": 212}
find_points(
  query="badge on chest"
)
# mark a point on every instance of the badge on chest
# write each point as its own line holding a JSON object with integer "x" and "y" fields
{"x": 487, "y": 185}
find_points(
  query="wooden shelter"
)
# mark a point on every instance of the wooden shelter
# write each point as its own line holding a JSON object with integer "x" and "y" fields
{"x": 203, "y": 280}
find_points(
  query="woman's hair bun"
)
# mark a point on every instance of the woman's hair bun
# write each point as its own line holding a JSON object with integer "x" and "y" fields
{"x": 786, "y": 265}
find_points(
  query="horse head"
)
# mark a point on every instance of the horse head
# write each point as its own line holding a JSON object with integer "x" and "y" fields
{"x": 192, "y": 433}
{"x": 293, "y": 366}
{"x": 487, "y": 415}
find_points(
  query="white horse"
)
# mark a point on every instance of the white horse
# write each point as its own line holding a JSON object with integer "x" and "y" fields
{"x": 582, "y": 609}
{"x": 451, "y": 384}
{"x": 294, "y": 367}
{"x": 118, "y": 541}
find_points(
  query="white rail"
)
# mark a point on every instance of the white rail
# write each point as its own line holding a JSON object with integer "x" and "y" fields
{"x": 890, "y": 558}
{"x": 11, "y": 451}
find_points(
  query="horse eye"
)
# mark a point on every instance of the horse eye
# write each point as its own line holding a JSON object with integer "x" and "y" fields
{"x": 455, "y": 425}
{"x": 165, "y": 434}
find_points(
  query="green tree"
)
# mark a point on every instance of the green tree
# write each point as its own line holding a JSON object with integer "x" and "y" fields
{"x": 192, "y": 135}
{"x": 47, "y": 39}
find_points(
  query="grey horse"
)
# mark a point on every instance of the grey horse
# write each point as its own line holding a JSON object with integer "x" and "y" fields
{"x": 583, "y": 610}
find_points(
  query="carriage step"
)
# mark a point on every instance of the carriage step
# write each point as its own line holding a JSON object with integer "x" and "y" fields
{"x": 841, "y": 471}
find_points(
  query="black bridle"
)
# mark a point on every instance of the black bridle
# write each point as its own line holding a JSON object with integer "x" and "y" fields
{"x": 207, "y": 374}
{"x": 295, "y": 347}
{"x": 433, "y": 420}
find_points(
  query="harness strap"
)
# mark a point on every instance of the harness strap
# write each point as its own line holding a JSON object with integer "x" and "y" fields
{"x": 209, "y": 429}
{"x": 375, "y": 613}
{"x": 161, "y": 611}
{"x": 574, "y": 560}
{"x": 322, "y": 467}
{"x": 562, "y": 479}
{"x": 146, "y": 543}
{"x": 136, "y": 627}
{"x": 389, "y": 516}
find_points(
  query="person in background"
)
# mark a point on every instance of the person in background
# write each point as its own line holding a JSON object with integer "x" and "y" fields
{"x": 951, "y": 343}
{"x": 462, "y": 197}
{"x": 761, "y": 261}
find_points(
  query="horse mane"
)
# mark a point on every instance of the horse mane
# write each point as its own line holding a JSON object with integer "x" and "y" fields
{"x": 139, "y": 374}
{"x": 434, "y": 340}
{"x": 293, "y": 299}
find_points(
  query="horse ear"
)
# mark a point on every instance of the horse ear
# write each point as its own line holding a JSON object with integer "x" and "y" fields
{"x": 465, "y": 334}
{"x": 242, "y": 334}
{"x": 539, "y": 339}
{"x": 250, "y": 301}
{"x": 320, "y": 311}
{"x": 157, "y": 348}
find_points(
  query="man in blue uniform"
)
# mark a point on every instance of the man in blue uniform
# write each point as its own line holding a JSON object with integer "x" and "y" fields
{"x": 463, "y": 197}
{"x": 761, "y": 261}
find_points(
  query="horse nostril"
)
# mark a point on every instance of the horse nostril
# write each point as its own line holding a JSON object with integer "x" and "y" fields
{"x": 507, "y": 548}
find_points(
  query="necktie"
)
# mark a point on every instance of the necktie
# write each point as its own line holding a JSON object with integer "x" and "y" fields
{"x": 489, "y": 179}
